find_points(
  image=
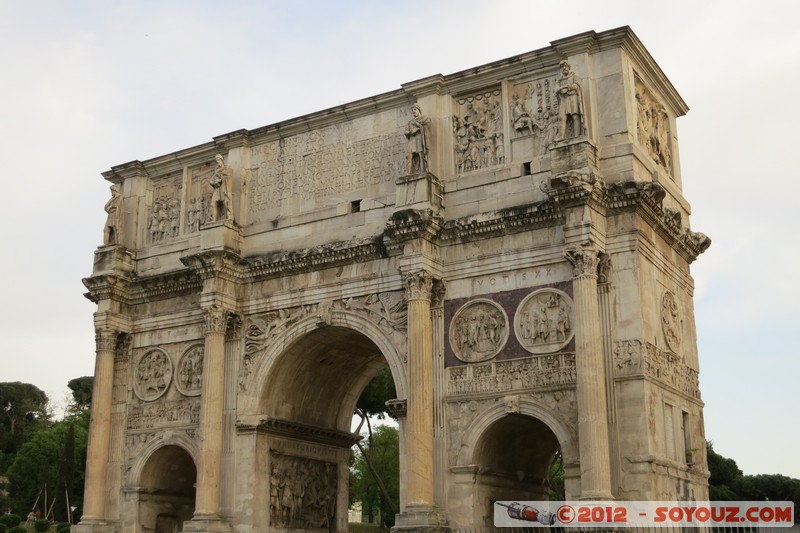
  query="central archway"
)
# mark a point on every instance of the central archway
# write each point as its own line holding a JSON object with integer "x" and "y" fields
{"x": 308, "y": 384}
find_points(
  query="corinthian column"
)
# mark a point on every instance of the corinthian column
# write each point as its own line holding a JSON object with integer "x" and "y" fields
{"x": 419, "y": 418}
{"x": 211, "y": 407}
{"x": 591, "y": 377}
{"x": 100, "y": 426}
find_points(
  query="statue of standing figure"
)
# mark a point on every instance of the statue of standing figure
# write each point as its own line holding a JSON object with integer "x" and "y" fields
{"x": 570, "y": 103}
{"x": 221, "y": 195}
{"x": 418, "y": 135}
{"x": 112, "y": 233}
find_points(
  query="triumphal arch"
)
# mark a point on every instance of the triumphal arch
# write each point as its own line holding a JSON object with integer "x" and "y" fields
{"x": 511, "y": 241}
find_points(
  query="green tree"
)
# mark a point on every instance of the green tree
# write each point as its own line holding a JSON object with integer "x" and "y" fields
{"x": 384, "y": 455}
{"x": 44, "y": 460}
{"x": 372, "y": 401}
{"x": 81, "y": 392}
{"x": 725, "y": 473}
{"x": 23, "y": 410}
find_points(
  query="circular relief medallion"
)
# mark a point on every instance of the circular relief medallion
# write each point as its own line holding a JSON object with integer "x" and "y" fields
{"x": 671, "y": 321}
{"x": 478, "y": 331}
{"x": 153, "y": 375}
{"x": 189, "y": 376}
{"x": 543, "y": 322}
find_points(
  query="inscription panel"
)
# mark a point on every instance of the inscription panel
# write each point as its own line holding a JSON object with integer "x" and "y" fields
{"x": 330, "y": 161}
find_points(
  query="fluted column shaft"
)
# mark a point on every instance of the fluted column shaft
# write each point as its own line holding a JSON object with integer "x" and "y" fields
{"x": 209, "y": 469}
{"x": 99, "y": 426}
{"x": 591, "y": 378}
{"x": 419, "y": 418}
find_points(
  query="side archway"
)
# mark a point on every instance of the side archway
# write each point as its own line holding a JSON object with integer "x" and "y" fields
{"x": 166, "y": 489}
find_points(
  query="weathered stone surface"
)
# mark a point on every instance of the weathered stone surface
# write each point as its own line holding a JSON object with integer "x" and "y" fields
{"x": 511, "y": 241}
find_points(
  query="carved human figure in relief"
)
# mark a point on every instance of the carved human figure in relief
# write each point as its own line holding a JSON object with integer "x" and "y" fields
{"x": 221, "y": 192}
{"x": 112, "y": 233}
{"x": 418, "y": 135}
{"x": 570, "y": 103}
{"x": 520, "y": 116}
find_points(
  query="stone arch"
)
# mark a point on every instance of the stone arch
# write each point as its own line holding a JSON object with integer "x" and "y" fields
{"x": 527, "y": 407}
{"x": 510, "y": 447}
{"x": 166, "y": 438}
{"x": 308, "y": 334}
{"x": 166, "y": 480}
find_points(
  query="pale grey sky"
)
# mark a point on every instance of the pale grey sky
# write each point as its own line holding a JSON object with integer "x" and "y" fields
{"x": 87, "y": 85}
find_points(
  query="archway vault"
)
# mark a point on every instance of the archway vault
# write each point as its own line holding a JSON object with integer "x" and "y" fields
{"x": 317, "y": 370}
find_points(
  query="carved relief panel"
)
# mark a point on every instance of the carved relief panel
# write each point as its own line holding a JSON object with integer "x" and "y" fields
{"x": 189, "y": 374}
{"x": 302, "y": 492}
{"x": 653, "y": 126}
{"x": 533, "y": 109}
{"x": 478, "y": 130}
{"x": 164, "y": 217}
{"x": 478, "y": 331}
{"x": 543, "y": 322}
{"x": 671, "y": 321}
{"x": 152, "y": 375}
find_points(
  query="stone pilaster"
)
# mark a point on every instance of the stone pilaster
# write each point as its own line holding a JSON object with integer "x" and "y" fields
{"x": 591, "y": 376}
{"x": 99, "y": 427}
{"x": 207, "y": 503}
{"x": 439, "y": 387}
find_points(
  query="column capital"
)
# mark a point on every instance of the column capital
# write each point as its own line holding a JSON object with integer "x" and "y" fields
{"x": 418, "y": 284}
{"x": 438, "y": 290}
{"x": 584, "y": 260}
{"x": 215, "y": 320}
{"x": 105, "y": 339}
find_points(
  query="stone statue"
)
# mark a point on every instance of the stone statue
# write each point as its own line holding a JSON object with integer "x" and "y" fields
{"x": 418, "y": 135}
{"x": 112, "y": 233}
{"x": 570, "y": 103}
{"x": 221, "y": 195}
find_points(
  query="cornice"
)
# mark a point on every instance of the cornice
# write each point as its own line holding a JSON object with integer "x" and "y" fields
{"x": 408, "y": 224}
{"x": 217, "y": 264}
{"x": 298, "y": 430}
{"x": 501, "y": 222}
{"x": 305, "y": 260}
{"x": 646, "y": 198}
{"x": 107, "y": 287}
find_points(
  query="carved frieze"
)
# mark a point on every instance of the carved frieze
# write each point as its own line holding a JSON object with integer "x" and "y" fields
{"x": 152, "y": 375}
{"x": 633, "y": 358}
{"x": 478, "y": 331}
{"x": 189, "y": 376}
{"x": 302, "y": 492}
{"x": 671, "y": 321}
{"x": 543, "y": 321}
{"x": 478, "y": 130}
{"x": 185, "y": 411}
{"x": 653, "y": 126}
{"x": 529, "y": 373}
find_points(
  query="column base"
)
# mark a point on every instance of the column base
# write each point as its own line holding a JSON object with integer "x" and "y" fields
{"x": 206, "y": 524}
{"x": 93, "y": 526}
{"x": 422, "y": 518}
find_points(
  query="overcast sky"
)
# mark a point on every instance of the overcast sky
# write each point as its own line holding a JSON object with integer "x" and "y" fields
{"x": 89, "y": 85}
